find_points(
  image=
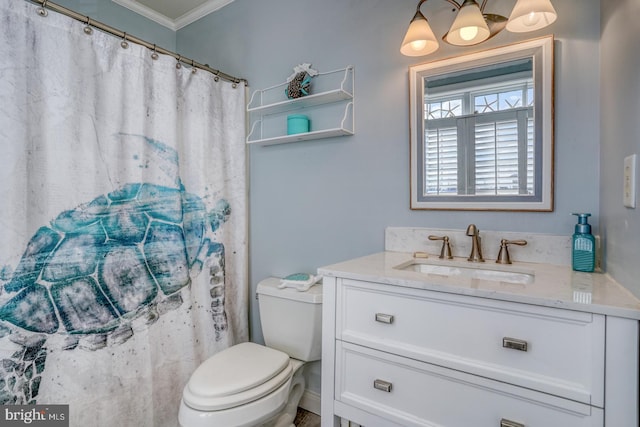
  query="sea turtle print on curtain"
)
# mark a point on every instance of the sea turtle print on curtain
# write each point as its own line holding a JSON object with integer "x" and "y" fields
{"x": 93, "y": 269}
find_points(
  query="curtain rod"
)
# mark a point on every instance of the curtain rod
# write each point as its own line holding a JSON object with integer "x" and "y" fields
{"x": 128, "y": 37}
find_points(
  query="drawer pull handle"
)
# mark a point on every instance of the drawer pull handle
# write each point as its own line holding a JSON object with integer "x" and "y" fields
{"x": 508, "y": 423}
{"x": 514, "y": 344}
{"x": 384, "y": 318}
{"x": 382, "y": 385}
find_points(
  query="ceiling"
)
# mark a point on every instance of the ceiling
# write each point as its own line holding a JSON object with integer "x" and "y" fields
{"x": 173, "y": 14}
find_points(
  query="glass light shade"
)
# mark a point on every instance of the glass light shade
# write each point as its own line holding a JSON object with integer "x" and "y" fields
{"x": 531, "y": 15}
{"x": 469, "y": 27}
{"x": 419, "y": 39}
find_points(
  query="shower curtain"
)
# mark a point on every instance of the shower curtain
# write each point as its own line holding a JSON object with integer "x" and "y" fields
{"x": 122, "y": 221}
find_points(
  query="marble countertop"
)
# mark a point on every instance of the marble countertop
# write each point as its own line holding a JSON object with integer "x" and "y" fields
{"x": 545, "y": 285}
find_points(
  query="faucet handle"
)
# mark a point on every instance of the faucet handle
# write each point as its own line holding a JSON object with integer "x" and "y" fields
{"x": 445, "y": 252}
{"x": 503, "y": 254}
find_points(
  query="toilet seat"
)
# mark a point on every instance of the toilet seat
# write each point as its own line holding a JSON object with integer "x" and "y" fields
{"x": 235, "y": 376}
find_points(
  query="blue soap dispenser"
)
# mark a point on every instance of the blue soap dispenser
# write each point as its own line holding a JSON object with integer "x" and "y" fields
{"x": 584, "y": 245}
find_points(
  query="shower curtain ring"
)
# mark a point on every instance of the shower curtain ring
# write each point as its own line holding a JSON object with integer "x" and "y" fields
{"x": 193, "y": 67}
{"x": 154, "y": 55}
{"x": 87, "y": 28}
{"x": 41, "y": 10}
{"x": 178, "y": 64}
{"x": 124, "y": 44}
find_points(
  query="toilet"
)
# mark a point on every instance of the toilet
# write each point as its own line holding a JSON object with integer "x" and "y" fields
{"x": 254, "y": 385}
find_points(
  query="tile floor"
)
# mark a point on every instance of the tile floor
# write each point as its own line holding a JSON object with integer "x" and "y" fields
{"x": 306, "y": 419}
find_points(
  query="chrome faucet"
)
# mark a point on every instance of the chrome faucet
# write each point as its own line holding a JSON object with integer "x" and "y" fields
{"x": 476, "y": 245}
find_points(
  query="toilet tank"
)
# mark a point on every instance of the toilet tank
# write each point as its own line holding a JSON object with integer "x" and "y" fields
{"x": 291, "y": 320}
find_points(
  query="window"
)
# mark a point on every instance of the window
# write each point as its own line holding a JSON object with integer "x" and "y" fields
{"x": 481, "y": 129}
{"x": 498, "y": 117}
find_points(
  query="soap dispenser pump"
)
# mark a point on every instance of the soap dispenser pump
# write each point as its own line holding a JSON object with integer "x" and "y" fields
{"x": 583, "y": 245}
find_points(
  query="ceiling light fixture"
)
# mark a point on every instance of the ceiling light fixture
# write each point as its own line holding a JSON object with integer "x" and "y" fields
{"x": 472, "y": 26}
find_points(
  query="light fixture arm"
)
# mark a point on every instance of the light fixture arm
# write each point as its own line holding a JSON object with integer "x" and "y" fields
{"x": 453, "y": 2}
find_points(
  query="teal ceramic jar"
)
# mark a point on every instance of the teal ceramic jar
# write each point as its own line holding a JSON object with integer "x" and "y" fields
{"x": 297, "y": 123}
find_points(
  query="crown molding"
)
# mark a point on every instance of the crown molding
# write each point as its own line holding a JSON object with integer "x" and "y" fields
{"x": 178, "y": 23}
{"x": 203, "y": 10}
{"x": 147, "y": 13}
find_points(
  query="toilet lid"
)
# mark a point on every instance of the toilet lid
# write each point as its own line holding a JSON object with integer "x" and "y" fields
{"x": 237, "y": 375}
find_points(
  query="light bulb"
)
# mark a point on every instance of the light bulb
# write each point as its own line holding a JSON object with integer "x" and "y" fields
{"x": 418, "y": 44}
{"x": 468, "y": 33}
{"x": 532, "y": 19}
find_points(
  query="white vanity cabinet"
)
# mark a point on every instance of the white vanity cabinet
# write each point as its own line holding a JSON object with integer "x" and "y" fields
{"x": 398, "y": 354}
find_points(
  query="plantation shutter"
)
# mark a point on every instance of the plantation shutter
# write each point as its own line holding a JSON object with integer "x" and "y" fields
{"x": 496, "y": 158}
{"x": 502, "y": 162}
{"x": 441, "y": 160}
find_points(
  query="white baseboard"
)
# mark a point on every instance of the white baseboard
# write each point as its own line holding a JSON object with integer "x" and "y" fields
{"x": 310, "y": 401}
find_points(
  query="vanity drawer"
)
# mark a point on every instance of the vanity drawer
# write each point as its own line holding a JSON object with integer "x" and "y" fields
{"x": 555, "y": 351}
{"x": 413, "y": 393}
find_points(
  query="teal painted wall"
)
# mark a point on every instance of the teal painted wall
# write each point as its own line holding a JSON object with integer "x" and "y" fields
{"x": 620, "y": 137}
{"x": 318, "y": 202}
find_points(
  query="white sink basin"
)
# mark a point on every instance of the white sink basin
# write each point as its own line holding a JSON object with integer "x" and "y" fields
{"x": 479, "y": 271}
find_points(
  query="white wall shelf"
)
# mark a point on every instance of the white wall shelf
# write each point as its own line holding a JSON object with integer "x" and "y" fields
{"x": 329, "y": 108}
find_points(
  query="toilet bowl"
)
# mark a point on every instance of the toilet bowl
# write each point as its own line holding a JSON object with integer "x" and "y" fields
{"x": 254, "y": 385}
